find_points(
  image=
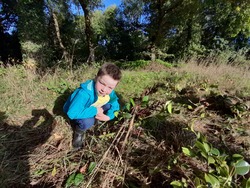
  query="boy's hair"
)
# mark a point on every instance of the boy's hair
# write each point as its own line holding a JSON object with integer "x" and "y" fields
{"x": 110, "y": 69}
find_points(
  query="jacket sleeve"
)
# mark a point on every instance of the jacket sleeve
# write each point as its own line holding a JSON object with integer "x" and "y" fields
{"x": 115, "y": 106}
{"x": 80, "y": 107}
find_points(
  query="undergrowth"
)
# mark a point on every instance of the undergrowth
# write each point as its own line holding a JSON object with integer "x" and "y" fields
{"x": 185, "y": 126}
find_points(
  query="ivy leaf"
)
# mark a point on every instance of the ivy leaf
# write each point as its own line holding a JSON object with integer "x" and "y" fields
{"x": 242, "y": 167}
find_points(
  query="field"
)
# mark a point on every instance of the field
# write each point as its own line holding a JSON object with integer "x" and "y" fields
{"x": 182, "y": 126}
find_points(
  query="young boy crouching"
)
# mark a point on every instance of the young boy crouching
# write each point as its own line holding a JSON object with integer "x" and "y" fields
{"x": 93, "y": 100}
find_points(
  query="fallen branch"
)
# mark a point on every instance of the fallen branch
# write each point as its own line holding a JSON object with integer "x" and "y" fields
{"x": 114, "y": 147}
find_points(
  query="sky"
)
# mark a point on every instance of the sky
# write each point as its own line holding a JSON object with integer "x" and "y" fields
{"x": 108, "y": 3}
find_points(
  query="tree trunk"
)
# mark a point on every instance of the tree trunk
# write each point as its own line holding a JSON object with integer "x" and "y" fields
{"x": 153, "y": 53}
{"x": 88, "y": 31}
{"x": 58, "y": 36}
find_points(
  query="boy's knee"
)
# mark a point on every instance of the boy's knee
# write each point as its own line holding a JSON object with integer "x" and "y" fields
{"x": 84, "y": 124}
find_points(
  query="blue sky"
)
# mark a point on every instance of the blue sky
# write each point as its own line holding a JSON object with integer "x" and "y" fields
{"x": 111, "y": 2}
{"x": 106, "y": 3}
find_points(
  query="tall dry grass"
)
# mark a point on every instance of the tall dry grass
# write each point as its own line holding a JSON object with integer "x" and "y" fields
{"x": 232, "y": 79}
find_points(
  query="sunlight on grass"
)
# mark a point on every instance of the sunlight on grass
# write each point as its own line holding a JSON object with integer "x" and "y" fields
{"x": 134, "y": 83}
{"x": 234, "y": 80}
{"x": 32, "y": 104}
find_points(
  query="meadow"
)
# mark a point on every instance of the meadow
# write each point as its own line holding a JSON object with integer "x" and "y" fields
{"x": 184, "y": 125}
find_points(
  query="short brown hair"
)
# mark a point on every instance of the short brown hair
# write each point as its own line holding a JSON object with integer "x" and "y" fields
{"x": 110, "y": 69}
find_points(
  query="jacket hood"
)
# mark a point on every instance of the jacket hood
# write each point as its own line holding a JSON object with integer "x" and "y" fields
{"x": 89, "y": 87}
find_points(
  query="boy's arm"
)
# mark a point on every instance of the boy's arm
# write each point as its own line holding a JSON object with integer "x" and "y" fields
{"x": 78, "y": 109}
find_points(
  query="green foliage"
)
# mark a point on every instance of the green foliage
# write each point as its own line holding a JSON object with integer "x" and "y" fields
{"x": 164, "y": 99}
{"x": 166, "y": 64}
{"x": 74, "y": 179}
{"x": 77, "y": 178}
{"x": 58, "y": 87}
{"x": 222, "y": 170}
{"x": 31, "y": 21}
{"x": 168, "y": 107}
{"x": 133, "y": 64}
{"x": 92, "y": 166}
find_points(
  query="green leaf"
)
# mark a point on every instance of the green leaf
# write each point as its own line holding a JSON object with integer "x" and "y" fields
{"x": 40, "y": 172}
{"x": 210, "y": 160}
{"x": 116, "y": 113}
{"x": 70, "y": 180}
{"x": 197, "y": 181}
{"x": 78, "y": 179}
{"x": 187, "y": 152}
{"x": 203, "y": 115}
{"x": 200, "y": 145}
{"x": 223, "y": 169}
{"x": 246, "y": 183}
{"x": 91, "y": 167}
{"x": 215, "y": 151}
{"x": 176, "y": 184}
{"x": 145, "y": 99}
{"x": 242, "y": 167}
{"x": 127, "y": 116}
{"x": 212, "y": 180}
{"x": 237, "y": 157}
{"x": 128, "y": 106}
{"x": 168, "y": 106}
{"x": 132, "y": 102}
{"x": 206, "y": 146}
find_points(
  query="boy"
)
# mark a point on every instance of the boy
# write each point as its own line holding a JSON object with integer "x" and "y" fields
{"x": 93, "y": 100}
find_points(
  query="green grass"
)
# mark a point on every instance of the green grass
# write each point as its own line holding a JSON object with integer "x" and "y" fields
{"x": 33, "y": 125}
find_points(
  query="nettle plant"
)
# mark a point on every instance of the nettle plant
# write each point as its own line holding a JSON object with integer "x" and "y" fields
{"x": 221, "y": 170}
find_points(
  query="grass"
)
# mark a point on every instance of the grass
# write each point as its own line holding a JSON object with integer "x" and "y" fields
{"x": 36, "y": 137}
{"x": 233, "y": 79}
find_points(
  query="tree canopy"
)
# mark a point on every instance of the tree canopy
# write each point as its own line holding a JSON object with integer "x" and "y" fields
{"x": 52, "y": 32}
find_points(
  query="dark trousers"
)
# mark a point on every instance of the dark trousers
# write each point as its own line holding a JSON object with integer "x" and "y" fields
{"x": 86, "y": 123}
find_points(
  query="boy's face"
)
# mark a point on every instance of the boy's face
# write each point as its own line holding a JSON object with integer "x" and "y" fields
{"x": 105, "y": 85}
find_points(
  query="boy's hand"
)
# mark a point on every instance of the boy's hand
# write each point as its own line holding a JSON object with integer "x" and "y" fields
{"x": 102, "y": 117}
{"x": 99, "y": 111}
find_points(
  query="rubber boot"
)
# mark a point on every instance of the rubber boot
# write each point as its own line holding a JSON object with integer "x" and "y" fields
{"x": 78, "y": 135}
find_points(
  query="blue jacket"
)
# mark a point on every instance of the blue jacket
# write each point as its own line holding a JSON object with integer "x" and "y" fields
{"x": 78, "y": 105}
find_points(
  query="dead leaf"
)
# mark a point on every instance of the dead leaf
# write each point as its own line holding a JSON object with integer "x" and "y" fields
{"x": 83, "y": 169}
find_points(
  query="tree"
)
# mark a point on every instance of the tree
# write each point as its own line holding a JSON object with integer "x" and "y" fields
{"x": 162, "y": 19}
{"x": 10, "y": 50}
{"x": 61, "y": 9}
{"x": 31, "y": 29}
{"x": 88, "y": 6}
